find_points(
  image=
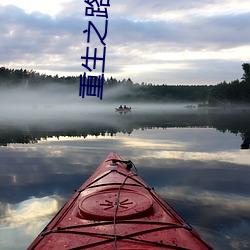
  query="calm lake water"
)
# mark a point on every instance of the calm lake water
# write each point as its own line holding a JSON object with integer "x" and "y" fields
{"x": 197, "y": 160}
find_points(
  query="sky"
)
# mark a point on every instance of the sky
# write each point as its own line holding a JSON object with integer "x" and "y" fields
{"x": 160, "y": 42}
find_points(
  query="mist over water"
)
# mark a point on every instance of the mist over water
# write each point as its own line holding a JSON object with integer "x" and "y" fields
{"x": 39, "y": 103}
{"x": 52, "y": 140}
{"x": 56, "y": 110}
{"x": 60, "y": 102}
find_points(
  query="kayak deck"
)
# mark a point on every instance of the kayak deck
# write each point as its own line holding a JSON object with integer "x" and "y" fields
{"x": 116, "y": 209}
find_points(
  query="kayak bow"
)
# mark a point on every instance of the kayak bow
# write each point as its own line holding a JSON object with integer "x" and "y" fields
{"x": 116, "y": 209}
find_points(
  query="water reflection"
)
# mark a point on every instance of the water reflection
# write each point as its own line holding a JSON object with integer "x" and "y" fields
{"x": 31, "y": 210}
{"x": 20, "y": 222}
{"x": 195, "y": 166}
{"x": 106, "y": 122}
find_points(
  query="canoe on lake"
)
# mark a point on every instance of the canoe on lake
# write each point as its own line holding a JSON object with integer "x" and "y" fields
{"x": 125, "y": 110}
{"x": 116, "y": 209}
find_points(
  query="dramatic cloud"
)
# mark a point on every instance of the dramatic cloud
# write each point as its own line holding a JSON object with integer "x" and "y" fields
{"x": 172, "y": 42}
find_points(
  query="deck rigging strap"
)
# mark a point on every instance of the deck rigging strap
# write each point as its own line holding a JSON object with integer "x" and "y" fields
{"x": 129, "y": 165}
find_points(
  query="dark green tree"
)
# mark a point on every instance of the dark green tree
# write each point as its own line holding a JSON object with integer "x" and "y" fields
{"x": 246, "y": 69}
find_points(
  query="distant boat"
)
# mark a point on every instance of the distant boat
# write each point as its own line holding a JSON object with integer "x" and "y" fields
{"x": 125, "y": 110}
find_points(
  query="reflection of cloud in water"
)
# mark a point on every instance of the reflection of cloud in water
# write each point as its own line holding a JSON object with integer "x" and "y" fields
{"x": 22, "y": 222}
{"x": 29, "y": 213}
{"x": 152, "y": 144}
{"x": 226, "y": 216}
{"x": 164, "y": 144}
{"x": 237, "y": 157}
{"x": 228, "y": 203}
{"x": 227, "y": 240}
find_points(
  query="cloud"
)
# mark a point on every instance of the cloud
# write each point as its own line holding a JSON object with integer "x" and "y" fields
{"x": 166, "y": 39}
{"x": 199, "y": 33}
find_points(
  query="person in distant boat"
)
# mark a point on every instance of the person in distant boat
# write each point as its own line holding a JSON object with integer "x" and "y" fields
{"x": 120, "y": 107}
{"x": 125, "y": 106}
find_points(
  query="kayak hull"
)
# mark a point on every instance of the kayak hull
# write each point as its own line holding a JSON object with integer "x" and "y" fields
{"x": 116, "y": 209}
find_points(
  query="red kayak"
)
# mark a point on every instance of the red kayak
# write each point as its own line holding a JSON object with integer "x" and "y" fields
{"x": 116, "y": 209}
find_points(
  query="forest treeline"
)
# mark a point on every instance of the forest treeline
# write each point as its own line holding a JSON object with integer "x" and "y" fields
{"x": 236, "y": 91}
